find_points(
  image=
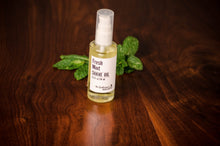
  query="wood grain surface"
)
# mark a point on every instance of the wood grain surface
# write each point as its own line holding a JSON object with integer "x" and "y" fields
{"x": 173, "y": 101}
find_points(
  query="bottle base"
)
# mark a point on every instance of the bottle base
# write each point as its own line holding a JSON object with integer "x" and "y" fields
{"x": 100, "y": 97}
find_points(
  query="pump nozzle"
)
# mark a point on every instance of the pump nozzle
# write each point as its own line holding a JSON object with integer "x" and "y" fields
{"x": 104, "y": 27}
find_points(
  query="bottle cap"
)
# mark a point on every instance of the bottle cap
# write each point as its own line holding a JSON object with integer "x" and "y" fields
{"x": 104, "y": 27}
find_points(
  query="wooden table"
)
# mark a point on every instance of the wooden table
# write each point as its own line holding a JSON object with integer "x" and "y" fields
{"x": 173, "y": 101}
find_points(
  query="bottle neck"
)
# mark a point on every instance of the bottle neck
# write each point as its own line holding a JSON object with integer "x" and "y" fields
{"x": 103, "y": 38}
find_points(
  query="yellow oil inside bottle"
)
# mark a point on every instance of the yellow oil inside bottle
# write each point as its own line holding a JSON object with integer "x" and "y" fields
{"x": 104, "y": 52}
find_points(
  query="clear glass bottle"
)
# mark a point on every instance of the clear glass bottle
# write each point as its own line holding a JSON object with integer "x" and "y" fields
{"x": 102, "y": 59}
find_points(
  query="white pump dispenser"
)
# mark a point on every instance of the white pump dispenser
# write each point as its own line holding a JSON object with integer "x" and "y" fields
{"x": 104, "y": 27}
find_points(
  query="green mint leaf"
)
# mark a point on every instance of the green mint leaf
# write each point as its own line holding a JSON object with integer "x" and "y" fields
{"x": 120, "y": 52}
{"x": 120, "y": 66}
{"x": 81, "y": 72}
{"x": 128, "y": 69}
{"x": 130, "y": 44}
{"x": 122, "y": 62}
{"x": 135, "y": 63}
{"x": 119, "y": 70}
{"x": 75, "y": 57}
{"x": 68, "y": 64}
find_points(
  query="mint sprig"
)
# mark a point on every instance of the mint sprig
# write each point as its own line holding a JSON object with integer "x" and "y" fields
{"x": 127, "y": 62}
{"x": 72, "y": 61}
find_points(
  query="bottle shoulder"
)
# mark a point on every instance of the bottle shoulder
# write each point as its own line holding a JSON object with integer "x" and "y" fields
{"x": 92, "y": 44}
{"x": 103, "y": 51}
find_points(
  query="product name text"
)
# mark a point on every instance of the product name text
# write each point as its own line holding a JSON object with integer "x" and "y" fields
{"x": 96, "y": 69}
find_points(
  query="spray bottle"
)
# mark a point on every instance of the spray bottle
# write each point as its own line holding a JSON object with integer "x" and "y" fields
{"x": 102, "y": 59}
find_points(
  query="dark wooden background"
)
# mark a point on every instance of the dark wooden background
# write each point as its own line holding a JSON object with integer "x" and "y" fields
{"x": 173, "y": 101}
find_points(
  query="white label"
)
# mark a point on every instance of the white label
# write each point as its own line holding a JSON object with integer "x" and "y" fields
{"x": 102, "y": 75}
